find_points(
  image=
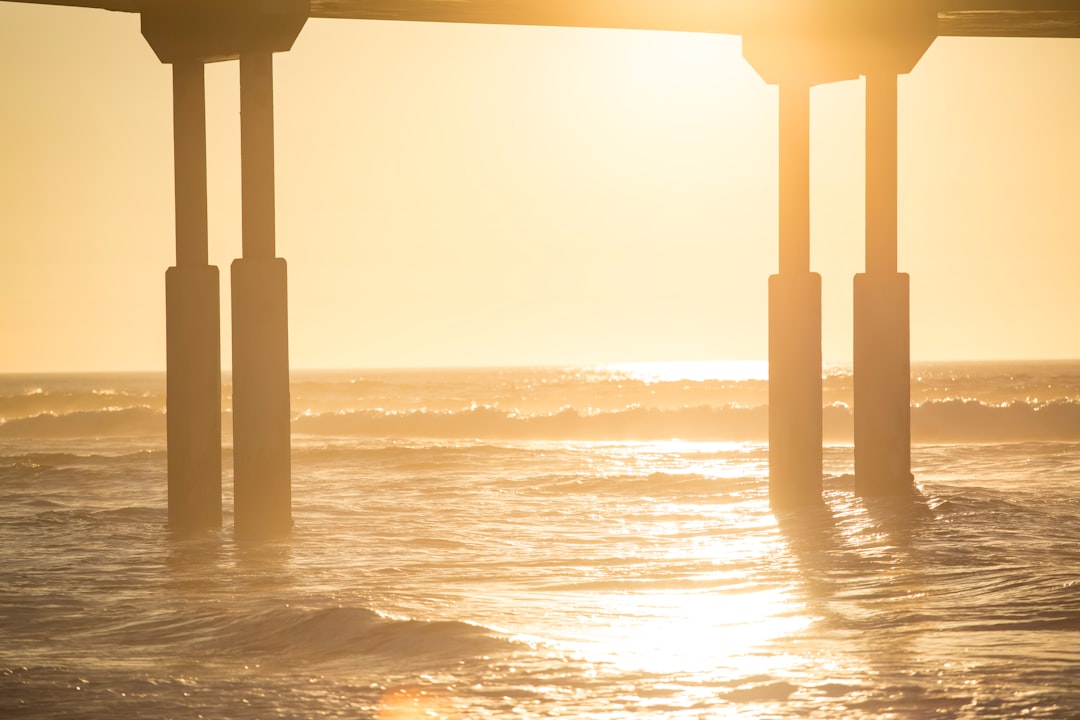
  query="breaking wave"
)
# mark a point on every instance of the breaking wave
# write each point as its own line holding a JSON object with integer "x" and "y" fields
{"x": 940, "y": 421}
{"x": 312, "y": 634}
{"x": 138, "y": 420}
{"x": 637, "y": 423}
{"x": 931, "y": 422}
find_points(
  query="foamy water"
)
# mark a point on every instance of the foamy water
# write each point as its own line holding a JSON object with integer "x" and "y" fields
{"x": 546, "y": 543}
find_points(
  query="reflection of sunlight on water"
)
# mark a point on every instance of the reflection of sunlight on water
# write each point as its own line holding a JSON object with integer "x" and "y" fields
{"x": 706, "y": 610}
{"x": 414, "y": 703}
{"x": 663, "y": 580}
{"x": 730, "y": 460}
{"x": 692, "y": 631}
{"x": 654, "y": 372}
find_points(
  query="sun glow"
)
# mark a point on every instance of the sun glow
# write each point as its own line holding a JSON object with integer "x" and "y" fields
{"x": 674, "y": 62}
{"x": 717, "y": 626}
{"x": 700, "y": 632}
{"x": 415, "y": 703}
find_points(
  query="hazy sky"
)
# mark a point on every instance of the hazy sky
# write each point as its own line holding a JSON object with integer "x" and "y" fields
{"x": 472, "y": 195}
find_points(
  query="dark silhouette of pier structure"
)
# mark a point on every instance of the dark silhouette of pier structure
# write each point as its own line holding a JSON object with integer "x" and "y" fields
{"x": 794, "y": 44}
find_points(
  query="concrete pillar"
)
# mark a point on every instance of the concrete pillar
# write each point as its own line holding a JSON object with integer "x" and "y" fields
{"x": 795, "y": 390}
{"x": 795, "y": 54}
{"x": 823, "y": 43}
{"x": 794, "y": 178}
{"x": 882, "y": 363}
{"x": 187, "y": 34}
{"x": 260, "y": 328}
{"x": 192, "y": 324}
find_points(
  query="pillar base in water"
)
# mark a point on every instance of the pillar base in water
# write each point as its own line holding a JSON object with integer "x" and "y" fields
{"x": 193, "y": 396}
{"x": 882, "y": 378}
{"x": 261, "y": 406}
{"x": 795, "y": 427}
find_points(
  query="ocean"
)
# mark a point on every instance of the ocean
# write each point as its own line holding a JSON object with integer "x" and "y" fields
{"x": 547, "y": 542}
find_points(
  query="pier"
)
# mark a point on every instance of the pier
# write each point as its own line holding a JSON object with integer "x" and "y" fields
{"x": 792, "y": 44}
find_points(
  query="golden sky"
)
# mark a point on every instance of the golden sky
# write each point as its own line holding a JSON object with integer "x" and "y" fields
{"x": 475, "y": 195}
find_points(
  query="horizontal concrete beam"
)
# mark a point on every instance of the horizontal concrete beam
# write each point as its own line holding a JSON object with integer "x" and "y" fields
{"x": 827, "y": 49}
{"x": 212, "y": 30}
{"x": 1024, "y": 18}
{"x": 1031, "y": 24}
{"x": 115, "y": 5}
{"x": 971, "y": 18}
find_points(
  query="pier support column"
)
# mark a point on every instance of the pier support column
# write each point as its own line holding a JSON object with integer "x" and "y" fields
{"x": 822, "y": 43}
{"x": 192, "y": 324}
{"x": 795, "y": 56}
{"x": 260, "y": 327}
{"x": 795, "y": 391}
{"x": 187, "y": 34}
{"x": 895, "y": 41}
{"x": 882, "y": 355}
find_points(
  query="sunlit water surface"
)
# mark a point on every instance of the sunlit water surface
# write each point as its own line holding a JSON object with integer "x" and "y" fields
{"x": 471, "y": 579}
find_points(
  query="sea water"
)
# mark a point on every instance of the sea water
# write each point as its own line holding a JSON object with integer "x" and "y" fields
{"x": 547, "y": 542}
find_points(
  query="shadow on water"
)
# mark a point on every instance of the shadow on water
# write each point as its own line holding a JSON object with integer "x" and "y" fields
{"x": 909, "y": 594}
{"x": 197, "y": 564}
{"x": 899, "y": 516}
{"x": 812, "y": 536}
{"x": 266, "y": 562}
{"x": 215, "y": 560}
{"x": 853, "y": 540}
{"x": 864, "y": 580}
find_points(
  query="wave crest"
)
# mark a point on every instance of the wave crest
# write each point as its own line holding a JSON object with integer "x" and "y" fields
{"x": 314, "y": 634}
{"x": 701, "y": 423}
{"x": 931, "y": 422}
{"x": 139, "y": 420}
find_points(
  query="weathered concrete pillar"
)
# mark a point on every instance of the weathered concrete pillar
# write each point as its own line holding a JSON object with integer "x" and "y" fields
{"x": 192, "y": 324}
{"x": 260, "y": 335}
{"x": 795, "y": 390}
{"x": 882, "y": 363}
